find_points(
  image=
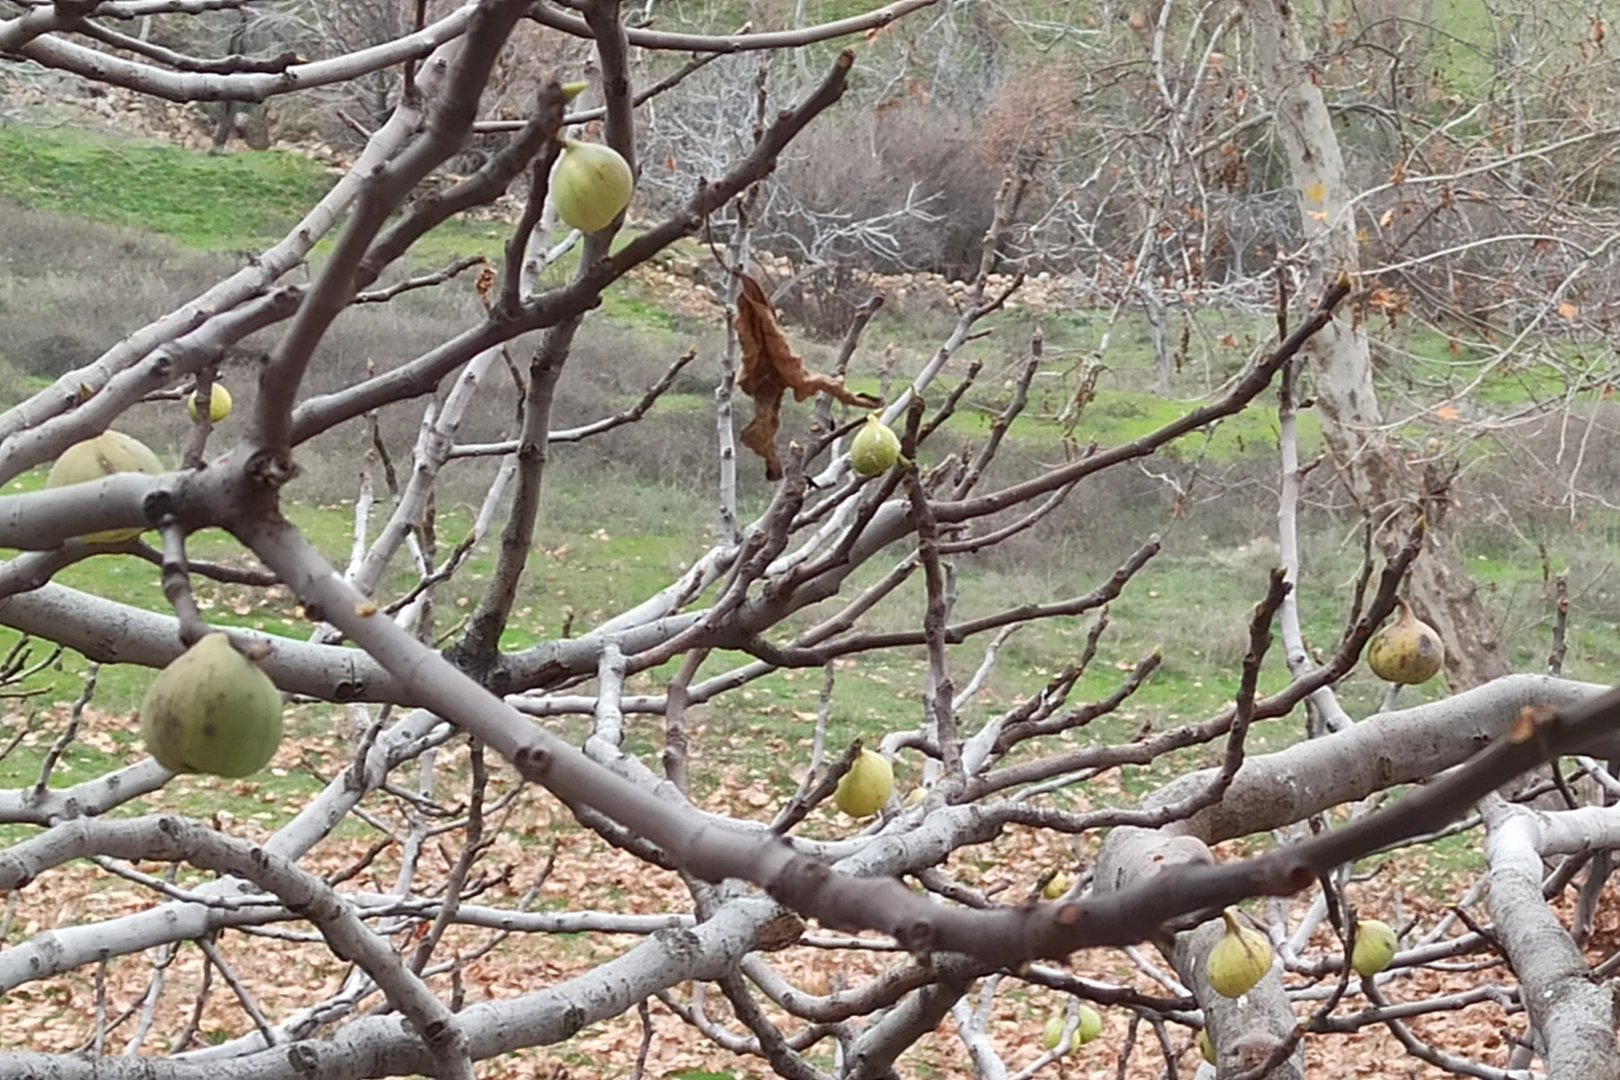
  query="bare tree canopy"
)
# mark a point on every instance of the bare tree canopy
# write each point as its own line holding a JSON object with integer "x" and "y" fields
{"x": 1192, "y": 166}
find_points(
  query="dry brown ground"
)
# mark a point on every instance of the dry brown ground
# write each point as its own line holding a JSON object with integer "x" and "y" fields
{"x": 284, "y": 976}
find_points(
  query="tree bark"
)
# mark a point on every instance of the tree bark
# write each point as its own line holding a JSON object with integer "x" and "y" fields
{"x": 1372, "y": 465}
{"x": 1572, "y": 1012}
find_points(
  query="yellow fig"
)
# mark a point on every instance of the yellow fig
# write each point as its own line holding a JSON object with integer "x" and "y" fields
{"x": 1057, "y": 886}
{"x": 918, "y": 794}
{"x": 1206, "y": 1049}
{"x": 591, "y": 185}
{"x": 1407, "y": 651}
{"x": 875, "y": 448}
{"x": 863, "y": 790}
{"x": 1239, "y": 960}
{"x": 108, "y": 453}
{"x": 212, "y": 711}
{"x": 1375, "y": 947}
{"x": 219, "y": 404}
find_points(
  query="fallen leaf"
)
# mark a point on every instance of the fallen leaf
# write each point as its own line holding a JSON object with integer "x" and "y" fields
{"x": 770, "y": 368}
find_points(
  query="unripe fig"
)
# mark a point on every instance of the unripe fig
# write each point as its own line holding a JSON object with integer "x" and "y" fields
{"x": 918, "y": 794}
{"x": 1375, "y": 947}
{"x": 1057, "y": 886}
{"x": 1407, "y": 651}
{"x": 212, "y": 711}
{"x": 875, "y": 448}
{"x": 108, "y": 453}
{"x": 863, "y": 790}
{"x": 1090, "y": 1028}
{"x": 1206, "y": 1049}
{"x": 1090, "y": 1025}
{"x": 1239, "y": 960}
{"x": 219, "y": 404}
{"x": 591, "y": 185}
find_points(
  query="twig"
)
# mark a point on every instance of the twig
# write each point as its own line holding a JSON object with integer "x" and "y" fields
{"x": 64, "y": 740}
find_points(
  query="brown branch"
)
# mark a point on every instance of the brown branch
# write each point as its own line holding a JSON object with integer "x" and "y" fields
{"x": 421, "y": 281}
{"x": 422, "y": 375}
{"x": 547, "y": 15}
{"x": 1243, "y": 391}
{"x": 272, "y": 427}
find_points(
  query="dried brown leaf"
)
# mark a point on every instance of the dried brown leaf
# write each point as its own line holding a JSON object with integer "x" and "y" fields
{"x": 770, "y": 368}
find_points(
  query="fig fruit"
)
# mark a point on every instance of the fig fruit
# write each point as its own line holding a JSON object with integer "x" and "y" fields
{"x": 219, "y": 404}
{"x": 863, "y": 790}
{"x": 1090, "y": 1027}
{"x": 1057, "y": 886}
{"x": 1239, "y": 960}
{"x": 875, "y": 448}
{"x": 918, "y": 794}
{"x": 1407, "y": 651}
{"x": 1206, "y": 1049}
{"x": 1375, "y": 947}
{"x": 108, "y": 453}
{"x": 591, "y": 185}
{"x": 212, "y": 711}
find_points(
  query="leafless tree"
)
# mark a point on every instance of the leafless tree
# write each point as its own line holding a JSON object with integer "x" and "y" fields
{"x": 950, "y": 948}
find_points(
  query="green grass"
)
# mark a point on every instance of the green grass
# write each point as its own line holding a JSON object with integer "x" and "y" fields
{"x": 229, "y": 202}
{"x": 214, "y": 202}
{"x": 608, "y": 538}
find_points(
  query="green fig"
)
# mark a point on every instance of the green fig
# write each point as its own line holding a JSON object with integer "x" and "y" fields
{"x": 108, "y": 453}
{"x": 591, "y": 185}
{"x": 1206, "y": 1049}
{"x": 875, "y": 448}
{"x": 1090, "y": 1025}
{"x": 1090, "y": 1028}
{"x": 1375, "y": 947}
{"x": 212, "y": 711}
{"x": 219, "y": 404}
{"x": 1239, "y": 960}
{"x": 863, "y": 790}
{"x": 1407, "y": 651}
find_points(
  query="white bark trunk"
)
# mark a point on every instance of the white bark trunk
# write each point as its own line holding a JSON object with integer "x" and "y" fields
{"x": 1573, "y": 1014}
{"x": 1339, "y": 357}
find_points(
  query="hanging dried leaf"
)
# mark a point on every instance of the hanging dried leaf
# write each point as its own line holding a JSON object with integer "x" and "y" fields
{"x": 770, "y": 368}
{"x": 485, "y": 284}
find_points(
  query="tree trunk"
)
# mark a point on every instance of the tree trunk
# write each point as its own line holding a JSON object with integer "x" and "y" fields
{"x": 1371, "y": 464}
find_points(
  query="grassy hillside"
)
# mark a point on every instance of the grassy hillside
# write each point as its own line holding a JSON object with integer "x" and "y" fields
{"x": 619, "y": 520}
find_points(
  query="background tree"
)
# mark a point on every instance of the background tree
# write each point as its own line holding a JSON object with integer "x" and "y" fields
{"x": 453, "y": 727}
